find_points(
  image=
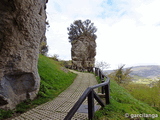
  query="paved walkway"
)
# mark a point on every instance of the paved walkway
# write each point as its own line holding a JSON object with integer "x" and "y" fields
{"x": 58, "y": 108}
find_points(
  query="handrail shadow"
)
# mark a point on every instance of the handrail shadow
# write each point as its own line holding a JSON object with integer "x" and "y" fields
{"x": 91, "y": 95}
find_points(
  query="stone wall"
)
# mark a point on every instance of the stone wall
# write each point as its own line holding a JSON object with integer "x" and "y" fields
{"x": 22, "y": 26}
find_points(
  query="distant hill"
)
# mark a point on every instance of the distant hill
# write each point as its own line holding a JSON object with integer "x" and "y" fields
{"x": 148, "y": 71}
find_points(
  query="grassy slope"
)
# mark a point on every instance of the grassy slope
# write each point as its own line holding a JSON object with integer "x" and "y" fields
{"x": 121, "y": 103}
{"x": 53, "y": 81}
{"x": 146, "y": 94}
{"x": 53, "y": 78}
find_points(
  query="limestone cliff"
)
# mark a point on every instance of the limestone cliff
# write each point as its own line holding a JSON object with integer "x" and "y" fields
{"x": 22, "y": 26}
{"x": 83, "y": 52}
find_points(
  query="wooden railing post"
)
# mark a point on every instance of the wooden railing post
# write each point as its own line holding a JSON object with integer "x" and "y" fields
{"x": 100, "y": 75}
{"x": 107, "y": 93}
{"x": 96, "y": 71}
{"x": 91, "y": 105}
{"x": 102, "y": 88}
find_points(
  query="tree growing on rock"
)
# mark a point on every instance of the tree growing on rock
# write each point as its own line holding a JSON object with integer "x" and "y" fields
{"x": 79, "y": 28}
{"x": 82, "y": 37}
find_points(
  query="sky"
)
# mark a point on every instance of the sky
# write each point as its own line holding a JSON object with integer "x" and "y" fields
{"x": 128, "y": 31}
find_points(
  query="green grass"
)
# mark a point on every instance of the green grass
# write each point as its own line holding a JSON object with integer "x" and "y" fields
{"x": 54, "y": 80}
{"x": 122, "y": 102}
{"x": 146, "y": 94}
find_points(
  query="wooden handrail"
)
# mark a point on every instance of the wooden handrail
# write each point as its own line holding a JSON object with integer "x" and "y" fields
{"x": 91, "y": 94}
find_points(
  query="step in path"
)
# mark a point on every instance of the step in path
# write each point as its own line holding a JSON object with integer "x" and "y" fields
{"x": 58, "y": 108}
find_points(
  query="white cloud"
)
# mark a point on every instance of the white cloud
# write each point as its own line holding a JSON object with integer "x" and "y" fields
{"x": 128, "y": 31}
{"x": 149, "y": 12}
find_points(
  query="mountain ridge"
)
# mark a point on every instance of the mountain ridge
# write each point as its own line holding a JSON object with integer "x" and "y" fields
{"x": 149, "y": 71}
{"x": 144, "y": 71}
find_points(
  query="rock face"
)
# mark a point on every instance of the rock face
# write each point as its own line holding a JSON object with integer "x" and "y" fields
{"x": 22, "y": 26}
{"x": 83, "y": 52}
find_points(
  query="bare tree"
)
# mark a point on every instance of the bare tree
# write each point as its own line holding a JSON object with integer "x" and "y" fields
{"x": 102, "y": 65}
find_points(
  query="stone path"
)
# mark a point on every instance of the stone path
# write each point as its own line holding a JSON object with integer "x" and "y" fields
{"x": 58, "y": 108}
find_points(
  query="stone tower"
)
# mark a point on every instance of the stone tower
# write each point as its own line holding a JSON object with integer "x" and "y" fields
{"x": 83, "y": 52}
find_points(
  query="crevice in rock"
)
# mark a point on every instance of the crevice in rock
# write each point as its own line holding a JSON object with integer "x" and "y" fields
{"x": 3, "y": 101}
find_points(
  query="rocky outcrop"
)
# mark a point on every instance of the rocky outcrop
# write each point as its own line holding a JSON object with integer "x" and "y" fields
{"x": 83, "y": 52}
{"x": 22, "y": 26}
